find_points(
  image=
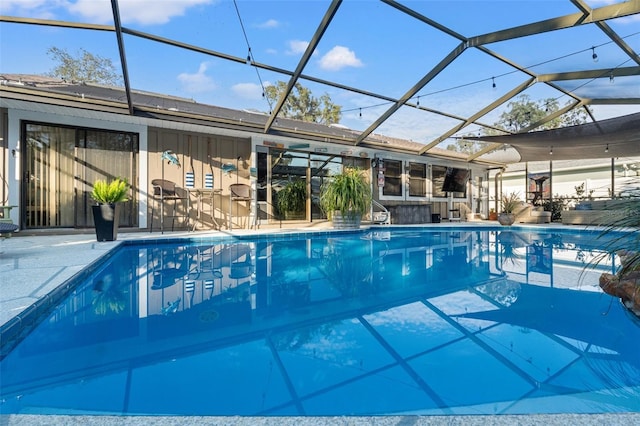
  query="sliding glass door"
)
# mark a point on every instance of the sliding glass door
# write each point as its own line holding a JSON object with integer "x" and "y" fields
{"x": 59, "y": 167}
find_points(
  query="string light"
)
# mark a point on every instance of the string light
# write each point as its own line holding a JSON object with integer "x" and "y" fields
{"x": 594, "y": 56}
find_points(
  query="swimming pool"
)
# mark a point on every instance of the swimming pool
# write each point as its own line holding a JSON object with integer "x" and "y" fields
{"x": 425, "y": 321}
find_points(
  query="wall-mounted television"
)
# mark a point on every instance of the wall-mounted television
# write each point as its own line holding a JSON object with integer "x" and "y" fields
{"x": 455, "y": 180}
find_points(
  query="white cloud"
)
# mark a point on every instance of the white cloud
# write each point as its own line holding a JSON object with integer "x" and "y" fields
{"x": 268, "y": 24}
{"x": 198, "y": 82}
{"x": 338, "y": 58}
{"x": 596, "y": 4}
{"x": 41, "y": 9}
{"x": 145, "y": 12}
{"x": 247, "y": 90}
{"x": 297, "y": 47}
{"x": 628, "y": 19}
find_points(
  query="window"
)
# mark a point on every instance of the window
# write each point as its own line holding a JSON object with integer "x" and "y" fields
{"x": 417, "y": 180}
{"x": 392, "y": 178}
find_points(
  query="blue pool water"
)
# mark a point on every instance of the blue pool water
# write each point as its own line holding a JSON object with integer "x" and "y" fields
{"x": 421, "y": 321}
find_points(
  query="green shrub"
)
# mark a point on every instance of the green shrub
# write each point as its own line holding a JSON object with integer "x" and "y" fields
{"x": 110, "y": 192}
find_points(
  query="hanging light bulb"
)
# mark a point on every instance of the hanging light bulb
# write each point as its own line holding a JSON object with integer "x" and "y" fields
{"x": 249, "y": 57}
{"x": 611, "y": 77}
{"x": 360, "y": 112}
{"x": 493, "y": 84}
{"x": 606, "y": 149}
{"x": 418, "y": 103}
{"x": 594, "y": 55}
{"x": 551, "y": 150}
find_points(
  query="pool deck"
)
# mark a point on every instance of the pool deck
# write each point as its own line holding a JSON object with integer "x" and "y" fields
{"x": 32, "y": 265}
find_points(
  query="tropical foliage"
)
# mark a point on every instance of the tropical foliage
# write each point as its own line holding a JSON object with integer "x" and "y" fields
{"x": 348, "y": 192}
{"x": 293, "y": 197}
{"x": 112, "y": 192}
{"x": 617, "y": 235}
{"x": 509, "y": 202}
{"x": 621, "y": 239}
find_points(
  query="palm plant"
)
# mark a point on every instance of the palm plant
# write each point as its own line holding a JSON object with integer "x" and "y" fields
{"x": 623, "y": 240}
{"x": 348, "y": 193}
{"x": 620, "y": 231}
{"x": 509, "y": 202}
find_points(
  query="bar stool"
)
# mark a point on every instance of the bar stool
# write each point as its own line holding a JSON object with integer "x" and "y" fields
{"x": 239, "y": 192}
{"x": 166, "y": 190}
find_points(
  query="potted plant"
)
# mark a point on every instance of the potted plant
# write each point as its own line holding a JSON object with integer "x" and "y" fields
{"x": 492, "y": 214}
{"x": 108, "y": 195}
{"x": 346, "y": 197}
{"x": 292, "y": 200}
{"x": 508, "y": 203}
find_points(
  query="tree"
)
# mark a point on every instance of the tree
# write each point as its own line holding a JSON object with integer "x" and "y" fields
{"x": 85, "y": 67}
{"x": 302, "y": 105}
{"x": 520, "y": 114}
{"x": 523, "y": 112}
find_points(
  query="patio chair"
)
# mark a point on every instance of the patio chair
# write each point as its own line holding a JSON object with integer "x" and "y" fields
{"x": 167, "y": 191}
{"x": 240, "y": 192}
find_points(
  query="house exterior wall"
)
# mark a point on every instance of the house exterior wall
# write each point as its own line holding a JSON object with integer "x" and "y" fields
{"x": 200, "y": 154}
{"x": 204, "y": 149}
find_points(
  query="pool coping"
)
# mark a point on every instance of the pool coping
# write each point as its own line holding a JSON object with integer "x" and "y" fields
{"x": 392, "y": 420}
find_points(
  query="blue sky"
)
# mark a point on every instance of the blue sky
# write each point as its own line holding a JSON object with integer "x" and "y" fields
{"x": 369, "y": 45}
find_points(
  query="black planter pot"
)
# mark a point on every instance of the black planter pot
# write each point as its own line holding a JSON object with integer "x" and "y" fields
{"x": 105, "y": 218}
